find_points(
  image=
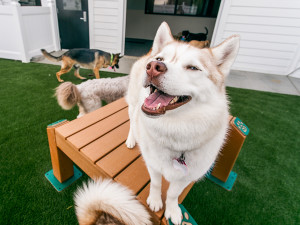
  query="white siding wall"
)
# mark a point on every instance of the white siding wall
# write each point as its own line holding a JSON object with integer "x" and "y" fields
{"x": 269, "y": 30}
{"x": 107, "y": 25}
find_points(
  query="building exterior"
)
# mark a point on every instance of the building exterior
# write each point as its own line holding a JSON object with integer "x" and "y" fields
{"x": 269, "y": 29}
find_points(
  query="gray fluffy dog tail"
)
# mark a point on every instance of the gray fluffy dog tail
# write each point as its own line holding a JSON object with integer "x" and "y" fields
{"x": 67, "y": 95}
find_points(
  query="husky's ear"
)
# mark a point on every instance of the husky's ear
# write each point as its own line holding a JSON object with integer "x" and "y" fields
{"x": 226, "y": 52}
{"x": 163, "y": 36}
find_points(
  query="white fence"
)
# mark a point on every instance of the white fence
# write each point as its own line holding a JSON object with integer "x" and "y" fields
{"x": 25, "y": 30}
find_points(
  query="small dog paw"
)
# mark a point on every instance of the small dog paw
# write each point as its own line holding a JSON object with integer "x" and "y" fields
{"x": 130, "y": 142}
{"x": 155, "y": 204}
{"x": 174, "y": 213}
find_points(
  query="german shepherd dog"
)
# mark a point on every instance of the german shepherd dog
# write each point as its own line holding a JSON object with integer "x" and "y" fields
{"x": 88, "y": 58}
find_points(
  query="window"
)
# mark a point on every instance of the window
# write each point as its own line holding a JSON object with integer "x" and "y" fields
{"x": 203, "y": 8}
{"x": 30, "y": 2}
{"x": 72, "y": 5}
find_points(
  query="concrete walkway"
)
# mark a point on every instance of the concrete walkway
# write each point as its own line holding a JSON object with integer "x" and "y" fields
{"x": 239, "y": 79}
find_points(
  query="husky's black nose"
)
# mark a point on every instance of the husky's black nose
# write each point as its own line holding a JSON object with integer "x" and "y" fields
{"x": 155, "y": 68}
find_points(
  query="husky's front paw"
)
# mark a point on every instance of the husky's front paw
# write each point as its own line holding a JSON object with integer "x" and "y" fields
{"x": 174, "y": 213}
{"x": 155, "y": 203}
{"x": 130, "y": 142}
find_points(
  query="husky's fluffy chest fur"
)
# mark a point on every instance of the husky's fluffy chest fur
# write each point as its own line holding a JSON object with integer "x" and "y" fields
{"x": 178, "y": 112}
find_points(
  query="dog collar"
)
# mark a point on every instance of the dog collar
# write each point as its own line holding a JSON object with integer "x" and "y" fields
{"x": 179, "y": 164}
{"x": 111, "y": 58}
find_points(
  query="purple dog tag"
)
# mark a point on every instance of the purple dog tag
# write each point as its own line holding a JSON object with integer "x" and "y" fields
{"x": 179, "y": 164}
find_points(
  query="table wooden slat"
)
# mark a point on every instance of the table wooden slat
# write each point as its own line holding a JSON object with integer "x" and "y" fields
{"x": 98, "y": 129}
{"x": 107, "y": 143}
{"x": 117, "y": 160}
{"x": 135, "y": 177}
{"x": 81, "y": 123}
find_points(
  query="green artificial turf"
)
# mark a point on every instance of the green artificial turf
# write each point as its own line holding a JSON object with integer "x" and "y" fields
{"x": 266, "y": 191}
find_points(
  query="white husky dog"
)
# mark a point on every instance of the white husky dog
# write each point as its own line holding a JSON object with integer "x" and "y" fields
{"x": 179, "y": 112}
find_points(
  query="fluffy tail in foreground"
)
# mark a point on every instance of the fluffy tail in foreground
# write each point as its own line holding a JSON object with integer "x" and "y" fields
{"x": 107, "y": 202}
{"x": 51, "y": 57}
{"x": 67, "y": 95}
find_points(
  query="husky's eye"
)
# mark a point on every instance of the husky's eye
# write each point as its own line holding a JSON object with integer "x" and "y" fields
{"x": 192, "y": 68}
{"x": 160, "y": 59}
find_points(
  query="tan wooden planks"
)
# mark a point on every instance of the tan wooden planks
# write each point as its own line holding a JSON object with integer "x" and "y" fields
{"x": 135, "y": 177}
{"x": 91, "y": 133}
{"x": 91, "y": 118}
{"x": 106, "y": 143}
{"x": 79, "y": 159}
{"x": 117, "y": 160}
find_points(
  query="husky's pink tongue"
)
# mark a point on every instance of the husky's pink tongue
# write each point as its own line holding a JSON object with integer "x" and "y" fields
{"x": 158, "y": 97}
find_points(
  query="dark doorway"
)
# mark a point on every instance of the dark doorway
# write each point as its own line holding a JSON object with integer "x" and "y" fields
{"x": 73, "y": 23}
{"x": 137, "y": 47}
